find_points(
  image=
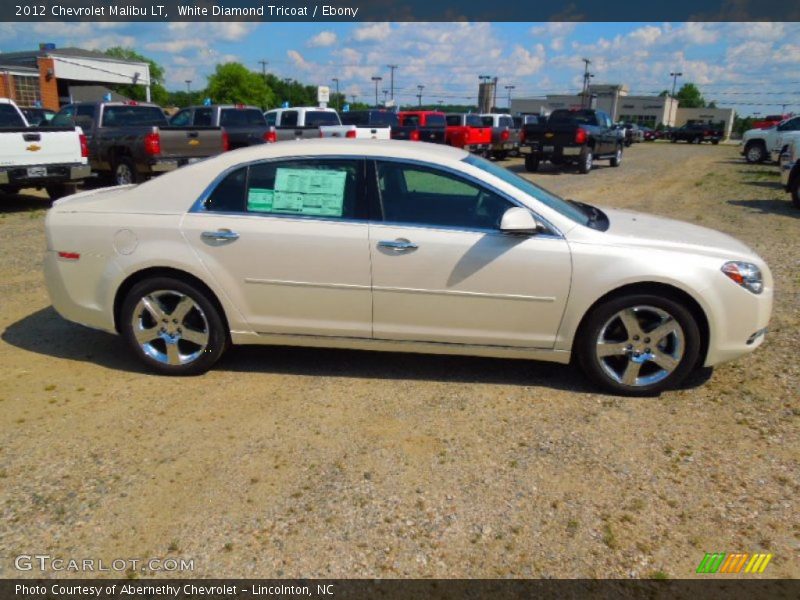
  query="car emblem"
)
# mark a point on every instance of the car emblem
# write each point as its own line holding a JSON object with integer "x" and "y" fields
{"x": 548, "y": 135}
{"x": 193, "y": 142}
{"x": 33, "y": 148}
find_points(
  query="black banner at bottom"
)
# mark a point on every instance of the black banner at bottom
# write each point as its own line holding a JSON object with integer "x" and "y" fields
{"x": 390, "y": 589}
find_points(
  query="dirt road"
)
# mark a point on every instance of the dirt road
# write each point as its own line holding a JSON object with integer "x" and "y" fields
{"x": 287, "y": 462}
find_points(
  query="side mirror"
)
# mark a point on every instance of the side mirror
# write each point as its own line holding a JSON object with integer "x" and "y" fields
{"x": 519, "y": 220}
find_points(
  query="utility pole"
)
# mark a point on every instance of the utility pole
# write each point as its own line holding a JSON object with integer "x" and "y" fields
{"x": 385, "y": 94}
{"x": 494, "y": 95}
{"x": 353, "y": 96}
{"x": 508, "y": 89}
{"x": 339, "y": 102}
{"x": 392, "y": 68}
{"x": 376, "y": 79}
{"x": 264, "y": 64}
{"x": 586, "y": 77}
{"x": 188, "y": 86}
{"x": 419, "y": 95}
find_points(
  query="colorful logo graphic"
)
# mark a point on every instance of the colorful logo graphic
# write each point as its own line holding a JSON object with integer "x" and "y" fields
{"x": 720, "y": 562}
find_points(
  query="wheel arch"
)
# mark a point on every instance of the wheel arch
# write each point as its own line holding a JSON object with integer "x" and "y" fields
{"x": 152, "y": 272}
{"x": 658, "y": 289}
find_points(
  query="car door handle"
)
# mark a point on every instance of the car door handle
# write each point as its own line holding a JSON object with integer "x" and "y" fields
{"x": 220, "y": 235}
{"x": 397, "y": 245}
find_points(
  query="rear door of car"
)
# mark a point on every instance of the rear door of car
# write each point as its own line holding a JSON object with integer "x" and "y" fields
{"x": 288, "y": 241}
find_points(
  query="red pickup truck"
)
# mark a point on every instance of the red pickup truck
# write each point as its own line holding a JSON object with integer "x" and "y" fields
{"x": 770, "y": 121}
{"x": 467, "y": 131}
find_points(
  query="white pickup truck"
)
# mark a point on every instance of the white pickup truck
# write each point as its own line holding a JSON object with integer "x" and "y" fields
{"x": 53, "y": 158}
{"x": 759, "y": 144}
{"x": 790, "y": 168}
{"x": 301, "y": 122}
{"x": 373, "y": 124}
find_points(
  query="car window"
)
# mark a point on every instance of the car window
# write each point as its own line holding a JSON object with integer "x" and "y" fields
{"x": 435, "y": 120}
{"x": 242, "y": 117}
{"x": 325, "y": 188}
{"x": 84, "y": 116}
{"x": 790, "y": 125}
{"x": 427, "y": 196}
{"x": 488, "y": 121}
{"x": 64, "y": 117}
{"x": 9, "y": 117}
{"x": 203, "y": 117}
{"x": 271, "y": 118}
{"x": 318, "y": 117}
{"x": 453, "y": 120}
{"x": 228, "y": 196}
{"x": 289, "y": 118}
{"x": 507, "y": 122}
{"x": 130, "y": 115}
{"x": 182, "y": 119}
{"x": 410, "y": 120}
{"x": 357, "y": 118}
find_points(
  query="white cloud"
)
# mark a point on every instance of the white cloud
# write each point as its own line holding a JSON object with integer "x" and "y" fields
{"x": 322, "y": 39}
{"x": 175, "y": 46}
{"x": 527, "y": 63}
{"x": 375, "y": 31}
{"x": 298, "y": 60}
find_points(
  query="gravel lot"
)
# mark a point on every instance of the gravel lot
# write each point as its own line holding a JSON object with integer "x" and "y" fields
{"x": 288, "y": 462}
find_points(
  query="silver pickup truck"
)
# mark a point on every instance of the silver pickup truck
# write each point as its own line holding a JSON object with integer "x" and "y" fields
{"x": 301, "y": 122}
{"x": 505, "y": 134}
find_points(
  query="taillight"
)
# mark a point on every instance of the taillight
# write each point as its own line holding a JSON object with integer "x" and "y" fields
{"x": 414, "y": 137}
{"x": 84, "y": 146}
{"x": 226, "y": 141}
{"x": 580, "y": 136}
{"x": 522, "y": 137}
{"x": 152, "y": 143}
{"x": 69, "y": 255}
{"x": 504, "y": 135}
{"x": 270, "y": 136}
{"x": 350, "y": 134}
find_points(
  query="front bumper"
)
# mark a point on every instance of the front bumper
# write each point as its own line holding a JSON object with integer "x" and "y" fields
{"x": 39, "y": 175}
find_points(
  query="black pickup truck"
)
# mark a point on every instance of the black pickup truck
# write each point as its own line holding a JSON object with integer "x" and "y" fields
{"x": 131, "y": 141}
{"x": 572, "y": 137}
{"x": 696, "y": 133}
{"x": 245, "y": 125}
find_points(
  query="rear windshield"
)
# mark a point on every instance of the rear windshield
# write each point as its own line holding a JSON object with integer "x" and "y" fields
{"x": 454, "y": 120}
{"x": 435, "y": 121}
{"x": 378, "y": 118}
{"x": 487, "y": 121}
{"x": 475, "y": 121}
{"x": 242, "y": 117}
{"x": 9, "y": 117}
{"x": 318, "y": 117}
{"x": 117, "y": 116}
{"x": 580, "y": 117}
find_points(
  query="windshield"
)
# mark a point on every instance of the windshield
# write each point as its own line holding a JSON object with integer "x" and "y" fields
{"x": 549, "y": 199}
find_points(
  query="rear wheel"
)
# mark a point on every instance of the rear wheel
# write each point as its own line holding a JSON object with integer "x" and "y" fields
{"x": 124, "y": 171}
{"x": 173, "y": 327}
{"x": 531, "y": 163}
{"x": 639, "y": 344}
{"x": 616, "y": 160}
{"x": 59, "y": 190}
{"x": 585, "y": 162}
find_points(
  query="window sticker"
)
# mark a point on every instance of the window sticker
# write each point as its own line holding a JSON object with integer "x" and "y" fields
{"x": 259, "y": 200}
{"x": 312, "y": 192}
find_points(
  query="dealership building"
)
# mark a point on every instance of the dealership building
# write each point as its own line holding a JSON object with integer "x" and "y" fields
{"x": 51, "y": 77}
{"x": 621, "y": 106}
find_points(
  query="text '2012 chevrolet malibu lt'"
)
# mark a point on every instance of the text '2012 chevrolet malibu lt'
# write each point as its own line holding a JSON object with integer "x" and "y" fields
{"x": 399, "y": 246}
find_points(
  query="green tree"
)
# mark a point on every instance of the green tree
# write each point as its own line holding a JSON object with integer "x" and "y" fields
{"x": 158, "y": 93}
{"x": 689, "y": 96}
{"x": 235, "y": 83}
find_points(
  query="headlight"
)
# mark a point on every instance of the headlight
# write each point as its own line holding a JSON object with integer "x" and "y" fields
{"x": 745, "y": 274}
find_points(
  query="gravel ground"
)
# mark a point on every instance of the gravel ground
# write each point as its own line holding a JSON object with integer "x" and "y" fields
{"x": 287, "y": 462}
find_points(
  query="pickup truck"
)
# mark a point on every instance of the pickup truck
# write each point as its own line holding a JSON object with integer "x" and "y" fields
{"x": 53, "y": 158}
{"x": 572, "y": 136}
{"x": 505, "y": 134}
{"x": 421, "y": 126}
{"x": 759, "y": 144}
{"x": 790, "y": 169}
{"x": 245, "y": 125}
{"x": 131, "y": 141}
{"x": 363, "y": 124}
{"x": 696, "y": 133}
{"x": 467, "y": 131}
{"x": 301, "y": 122}
{"x": 770, "y": 121}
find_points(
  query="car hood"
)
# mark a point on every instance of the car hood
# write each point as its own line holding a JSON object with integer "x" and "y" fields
{"x": 644, "y": 230}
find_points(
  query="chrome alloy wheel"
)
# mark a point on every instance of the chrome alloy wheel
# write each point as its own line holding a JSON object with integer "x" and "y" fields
{"x": 170, "y": 327}
{"x": 640, "y": 345}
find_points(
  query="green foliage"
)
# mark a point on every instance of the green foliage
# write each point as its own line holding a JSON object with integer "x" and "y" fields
{"x": 158, "y": 93}
{"x": 742, "y": 124}
{"x": 235, "y": 83}
{"x": 689, "y": 96}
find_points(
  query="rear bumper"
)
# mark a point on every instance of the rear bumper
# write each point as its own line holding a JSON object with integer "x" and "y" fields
{"x": 476, "y": 147}
{"x": 58, "y": 173}
{"x": 503, "y": 146}
{"x": 545, "y": 152}
{"x": 164, "y": 165}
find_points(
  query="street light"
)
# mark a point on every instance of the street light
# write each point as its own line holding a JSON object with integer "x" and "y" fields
{"x": 376, "y": 79}
{"x": 385, "y": 94}
{"x": 508, "y": 89}
{"x": 419, "y": 95}
{"x": 675, "y": 76}
{"x": 188, "y": 86}
{"x": 336, "y": 81}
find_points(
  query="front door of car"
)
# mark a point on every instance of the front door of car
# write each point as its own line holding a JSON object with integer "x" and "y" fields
{"x": 288, "y": 242}
{"x": 442, "y": 271}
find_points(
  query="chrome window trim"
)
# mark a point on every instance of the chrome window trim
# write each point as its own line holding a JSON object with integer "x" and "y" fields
{"x": 198, "y": 205}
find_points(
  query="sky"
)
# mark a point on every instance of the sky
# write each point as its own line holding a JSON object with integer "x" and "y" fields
{"x": 752, "y": 67}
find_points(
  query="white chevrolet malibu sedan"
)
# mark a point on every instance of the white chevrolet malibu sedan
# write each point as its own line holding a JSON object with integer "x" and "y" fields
{"x": 399, "y": 246}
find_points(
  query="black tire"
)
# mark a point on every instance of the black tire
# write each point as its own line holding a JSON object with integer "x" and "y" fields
{"x": 714, "y": 142}
{"x": 794, "y": 190}
{"x": 674, "y": 140}
{"x": 59, "y": 190}
{"x": 502, "y": 155}
{"x": 755, "y": 152}
{"x": 586, "y": 344}
{"x": 202, "y": 357}
{"x": 585, "y": 161}
{"x": 11, "y": 190}
{"x": 531, "y": 163}
{"x": 123, "y": 171}
{"x": 616, "y": 160}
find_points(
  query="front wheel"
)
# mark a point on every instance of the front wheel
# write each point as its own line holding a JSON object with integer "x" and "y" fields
{"x": 639, "y": 344}
{"x": 585, "y": 162}
{"x": 755, "y": 153}
{"x": 173, "y": 327}
{"x": 531, "y": 163}
{"x": 616, "y": 160}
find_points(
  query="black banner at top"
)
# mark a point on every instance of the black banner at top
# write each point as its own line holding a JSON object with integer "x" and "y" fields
{"x": 397, "y": 10}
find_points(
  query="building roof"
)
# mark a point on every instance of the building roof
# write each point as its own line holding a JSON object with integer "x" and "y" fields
{"x": 28, "y": 58}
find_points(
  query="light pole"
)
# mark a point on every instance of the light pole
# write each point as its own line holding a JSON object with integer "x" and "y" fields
{"x": 188, "y": 86}
{"x": 508, "y": 89}
{"x": 336, "y": 81}
{"x": 376, "y": 79}
{"x": 419, "y": 95}
{"x": 263, "y": 64}
{"x": 586, "y": 77}
{"x": 675, "y": 76}
{"x": 392, "y": 68}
